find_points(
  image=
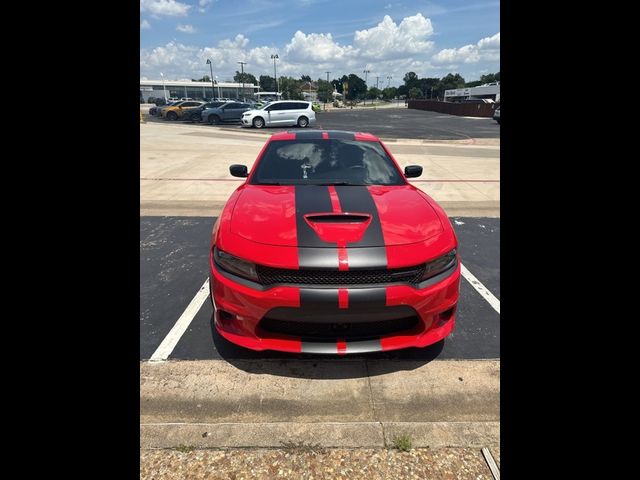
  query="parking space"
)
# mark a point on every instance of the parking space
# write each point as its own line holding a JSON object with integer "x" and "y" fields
{"x": 386, "y": 122}
{"x": 174, "y": 264}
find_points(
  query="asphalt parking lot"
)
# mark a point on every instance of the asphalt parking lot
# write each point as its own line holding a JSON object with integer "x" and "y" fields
{"x": 387, "y": 122}
{"x": 174, "y": 265}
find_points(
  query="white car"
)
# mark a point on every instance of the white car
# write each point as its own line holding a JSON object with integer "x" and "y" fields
{"x": 283, "y": 113}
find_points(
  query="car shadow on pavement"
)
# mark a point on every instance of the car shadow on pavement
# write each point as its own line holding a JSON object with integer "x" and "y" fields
{"x": 325, "y": 367}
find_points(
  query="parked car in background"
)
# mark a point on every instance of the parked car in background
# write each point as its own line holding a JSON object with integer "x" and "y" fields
{"x": 225, "y": 113}
{"x": 194, "y": 114}
{"x": 282, "y": 113}
{"x": 316, "y": 107}
{"x": 159, "y": 108}
{"x": 496, "y": 115}
{"x": 176, "y": 111}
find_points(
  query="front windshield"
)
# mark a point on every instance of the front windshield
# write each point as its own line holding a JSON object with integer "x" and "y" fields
{"x": 326, "y": 162}
{"x": 265, "y": 105}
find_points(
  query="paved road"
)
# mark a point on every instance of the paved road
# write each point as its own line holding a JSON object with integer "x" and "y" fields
{"x": 393, "y": 123}
{"x": 174, "y": 263}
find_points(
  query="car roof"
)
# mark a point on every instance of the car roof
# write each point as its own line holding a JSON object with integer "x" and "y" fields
{"x": 319, "y": 134}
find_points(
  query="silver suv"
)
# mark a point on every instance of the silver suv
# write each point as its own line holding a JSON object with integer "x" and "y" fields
{"x": 283, "y": 113}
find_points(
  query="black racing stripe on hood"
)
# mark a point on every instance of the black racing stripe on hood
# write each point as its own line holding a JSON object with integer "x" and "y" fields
{"x": 341, "y": 135}
{"x": 358, "y": 199}
{"x": 311, "y": 199}
{"x": 309, "y": 135}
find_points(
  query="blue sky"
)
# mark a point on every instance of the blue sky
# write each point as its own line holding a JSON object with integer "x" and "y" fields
{"x": 386, "y": 37}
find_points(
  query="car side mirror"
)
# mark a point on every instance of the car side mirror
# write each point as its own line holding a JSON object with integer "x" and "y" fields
{"x": 239, "y": 171}
{"x": 412, "y": 171}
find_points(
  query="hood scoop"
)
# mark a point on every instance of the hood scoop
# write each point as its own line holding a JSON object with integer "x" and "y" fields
{"x": 337, "y": 218}
{"x": 340, "y": 228}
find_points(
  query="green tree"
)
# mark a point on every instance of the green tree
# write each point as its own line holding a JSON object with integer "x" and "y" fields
{"x": 337, "y": 85}
{"x": 411, "y": 80}
{"x": 475, "y": 83}
{"x": 449, "y": 82}
{"x": 305, "y": 78}
{"x": 244, "y": 78}
{"x": 490, "y": 77}
{"x": 357, "y": 87}
{"x": 325, "y": 91}
{"x": 415, "y": 93}
{"x": 291, "y": 88}
{"x": 206, "y": 78}
{"x": 389, "y": 93}
{"x": 374, "y": 93}
{"x": 428, "y": 85}
{"x": 403, "y": 91}
{"x": 267, "y": 83}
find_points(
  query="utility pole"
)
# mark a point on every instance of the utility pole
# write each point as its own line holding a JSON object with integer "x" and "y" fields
{"x": 325, "y": 100}
{"x": 366, "y": 87}
{"x": 275, "y": 75}
{"x": 242, "y": 64}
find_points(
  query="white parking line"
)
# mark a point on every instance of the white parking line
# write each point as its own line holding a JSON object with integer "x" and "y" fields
{"x": 173, "y": 337}
{"x": 481, "y": 289}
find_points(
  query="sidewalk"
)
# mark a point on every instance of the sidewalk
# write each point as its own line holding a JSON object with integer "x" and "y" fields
{"x": 184, "y": 170}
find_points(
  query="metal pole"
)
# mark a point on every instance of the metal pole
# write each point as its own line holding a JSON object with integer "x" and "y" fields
{"x": 377, "y": 82}
{"x": 163, "y": 88}
{"x": 366, "y": 87}
{"x": 275, "y": 75}
{"x": 325, "y": 102}
{"x": 242, "y": 64}
{"x": 213, "y": 86}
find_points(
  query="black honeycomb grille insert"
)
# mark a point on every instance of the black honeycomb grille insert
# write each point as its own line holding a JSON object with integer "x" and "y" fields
{"x": 275, "y": 276}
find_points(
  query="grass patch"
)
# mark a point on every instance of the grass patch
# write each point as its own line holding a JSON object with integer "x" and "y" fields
{"x": 402, "y": 442}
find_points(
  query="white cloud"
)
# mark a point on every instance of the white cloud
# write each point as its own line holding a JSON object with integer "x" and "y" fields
{"x": 144, "y": 25}
{"x": 387, "y": 39}
{"x": 388, "y": 48}
{"x": 164, "y": 7}
{"x": 185, "y": 28}
{"x": 204, "y": 4}
{"x": 487, "y": 49}
{"x": 315, "y": 47}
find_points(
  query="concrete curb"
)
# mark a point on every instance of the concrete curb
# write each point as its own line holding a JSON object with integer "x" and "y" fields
{"x": 330, "y": 435}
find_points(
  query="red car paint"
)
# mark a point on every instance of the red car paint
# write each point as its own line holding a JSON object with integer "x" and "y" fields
{"x": 261, "y": 224}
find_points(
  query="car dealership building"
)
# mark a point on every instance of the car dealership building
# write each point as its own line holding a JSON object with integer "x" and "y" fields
{"x": 195, "y": 90}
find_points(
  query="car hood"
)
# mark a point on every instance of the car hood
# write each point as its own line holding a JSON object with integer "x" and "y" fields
{"x": 321, "y": 216}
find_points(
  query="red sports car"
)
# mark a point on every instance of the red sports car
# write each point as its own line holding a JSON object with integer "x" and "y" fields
{"x": 326, "y": 248}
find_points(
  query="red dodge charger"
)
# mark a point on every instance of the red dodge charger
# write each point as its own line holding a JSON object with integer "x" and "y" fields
{"x": 326, "y": 248}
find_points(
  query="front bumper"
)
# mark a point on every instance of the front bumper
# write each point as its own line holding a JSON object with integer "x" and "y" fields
{"x": 242, "y": 313}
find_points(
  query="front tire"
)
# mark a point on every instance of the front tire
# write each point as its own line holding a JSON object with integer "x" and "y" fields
{"x": 258, "y": 122}
{"x": 214, "y": 119}
{"x": 172, "y": 116}
{"x": 303, "y": 122}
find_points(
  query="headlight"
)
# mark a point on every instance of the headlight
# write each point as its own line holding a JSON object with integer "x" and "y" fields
{"x": 439, "y": 265}
{"x": 235, "y": 265}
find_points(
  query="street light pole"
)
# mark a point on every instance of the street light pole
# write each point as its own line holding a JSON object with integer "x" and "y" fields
{"x": 366, "y": 87}
{"x": 377, "y": 82}
{"x": 218, "y": 83}
{"x": 325, "y": 102}
{"x": 213, "y": 85}
{"x": 275, "y": 75}
{"x": 164, "y": 90}
{"x": 242, "y": 64}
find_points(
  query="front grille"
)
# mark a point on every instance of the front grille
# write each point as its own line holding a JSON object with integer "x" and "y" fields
{"x": 332, "y": 331}
{"x": 274, "y": 276}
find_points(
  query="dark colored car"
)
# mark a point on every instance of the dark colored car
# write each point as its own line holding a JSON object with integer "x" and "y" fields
{"x": 228, "y": 112}
{"x": 195, "y": 114}
{"x": 327, "y": 248}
